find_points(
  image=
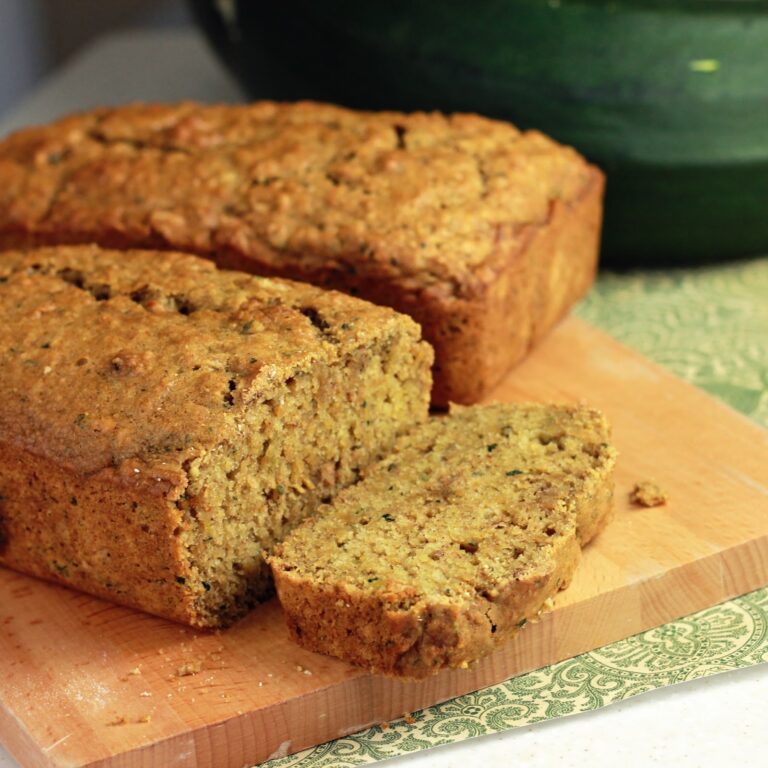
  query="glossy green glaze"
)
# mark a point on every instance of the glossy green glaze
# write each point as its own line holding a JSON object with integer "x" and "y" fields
{"x": 670, "y": 97}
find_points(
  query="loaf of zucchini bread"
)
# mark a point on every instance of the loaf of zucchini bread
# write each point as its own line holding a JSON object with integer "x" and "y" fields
{"x": 486, "y": 235}
{"x": 162, "y": 423}
{"x": 451, "y": 543}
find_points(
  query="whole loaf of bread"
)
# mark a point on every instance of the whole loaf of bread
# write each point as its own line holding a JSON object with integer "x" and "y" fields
{"x": 164, "y": 423}
{"x": 484, "y": 234}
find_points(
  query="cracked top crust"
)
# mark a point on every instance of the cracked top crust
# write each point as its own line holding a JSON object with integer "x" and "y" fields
{"x": 397, "y": 195}
{"x": 125, "y": 359}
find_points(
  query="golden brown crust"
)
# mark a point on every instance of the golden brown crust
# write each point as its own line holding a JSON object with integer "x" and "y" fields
{"x": 163, "y": 422}
{"x": 374, "y": 631}
{"x": 452, "y": 542}
{"x": 486, "y": 235}
{"x": 99, "y": 533}
{"x": 530, "y": 285}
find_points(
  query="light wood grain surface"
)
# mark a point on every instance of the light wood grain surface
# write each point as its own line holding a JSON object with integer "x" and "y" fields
{"x": 83, "y": 682}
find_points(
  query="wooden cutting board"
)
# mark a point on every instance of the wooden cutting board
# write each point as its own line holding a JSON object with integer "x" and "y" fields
{"x": 84, "y": 682}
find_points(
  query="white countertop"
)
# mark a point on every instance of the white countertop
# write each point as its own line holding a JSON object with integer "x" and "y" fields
{"x": 716, "y": 721}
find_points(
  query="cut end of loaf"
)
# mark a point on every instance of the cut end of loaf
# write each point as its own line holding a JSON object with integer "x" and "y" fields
{"x": 314, "y": 434}
{"x": 450, "y": 544}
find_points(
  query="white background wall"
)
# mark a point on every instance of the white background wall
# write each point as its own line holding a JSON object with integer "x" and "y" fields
{"x": 36, "y": 35}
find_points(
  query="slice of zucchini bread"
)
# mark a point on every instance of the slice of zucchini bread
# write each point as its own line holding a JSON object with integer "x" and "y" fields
{"x": 452, "y": 542}
{"x": 162, "y": 422}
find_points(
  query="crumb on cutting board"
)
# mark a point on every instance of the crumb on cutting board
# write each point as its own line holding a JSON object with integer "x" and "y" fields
{"x": 131, "y": 673}
{"x": 123, "y": 720}
{"x": 647, "y": 494}
{"x": 119, "y": 720}
{"x": 189, "y": 668}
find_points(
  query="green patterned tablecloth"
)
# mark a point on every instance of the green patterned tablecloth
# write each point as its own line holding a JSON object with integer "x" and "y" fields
{"x": 710, "y": 327}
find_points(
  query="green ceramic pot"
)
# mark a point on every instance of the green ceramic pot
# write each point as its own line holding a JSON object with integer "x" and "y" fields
{"x": 669, "y": 97}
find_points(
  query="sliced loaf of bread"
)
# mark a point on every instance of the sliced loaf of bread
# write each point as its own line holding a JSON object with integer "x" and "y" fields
{"x": 162, "y": 422}
{"x": 448, "y": 546}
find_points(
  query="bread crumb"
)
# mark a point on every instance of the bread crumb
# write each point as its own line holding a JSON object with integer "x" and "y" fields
{"x": 132, "y": 672}
{"x": 119, "y": 720}
{"x": 123, "y": 720}
{"x": 189, "y": 668}
{"x": 647, "y": 494}
{"x": 145, "y": 694}
{"x": 409, "y": 718}
{"x": 384, "y": 726}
